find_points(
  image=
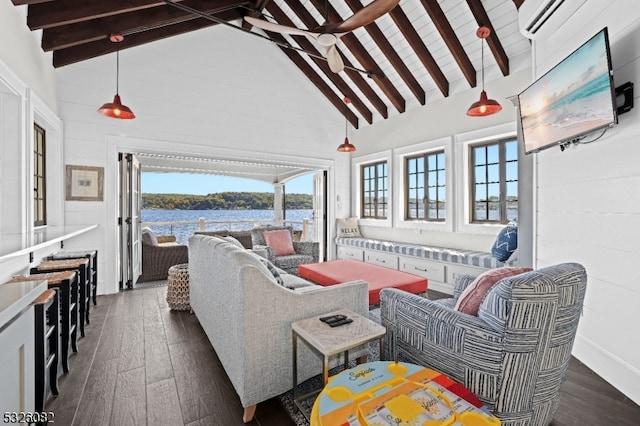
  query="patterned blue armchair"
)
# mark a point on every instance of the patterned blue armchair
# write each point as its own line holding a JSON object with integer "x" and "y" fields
{"x": 306, "y": 251}
{"x": 513, "y": 355}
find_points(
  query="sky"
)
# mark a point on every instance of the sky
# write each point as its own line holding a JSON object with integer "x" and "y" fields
{"x": 187, "y": 183}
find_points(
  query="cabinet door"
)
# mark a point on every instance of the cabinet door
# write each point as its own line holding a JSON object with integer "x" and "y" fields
{"x": 454, "y": 271}
{"x": 350, "y": 253}
{"x": 382, "y": 259}
{"x": 433, "y": 271}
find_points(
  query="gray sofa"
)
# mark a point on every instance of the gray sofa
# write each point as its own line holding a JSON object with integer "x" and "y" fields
{"x": 247, "y": 316}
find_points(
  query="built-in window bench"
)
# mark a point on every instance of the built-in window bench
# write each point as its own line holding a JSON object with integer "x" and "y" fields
{"x": 440, "y": 265}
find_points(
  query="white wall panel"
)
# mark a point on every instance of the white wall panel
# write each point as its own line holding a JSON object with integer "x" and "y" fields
{"x": 588, "y": 203}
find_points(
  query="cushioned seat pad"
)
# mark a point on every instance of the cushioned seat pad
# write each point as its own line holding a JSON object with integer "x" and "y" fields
{"x": 378, "y": 277}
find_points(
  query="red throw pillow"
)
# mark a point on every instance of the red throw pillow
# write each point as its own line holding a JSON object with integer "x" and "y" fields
{"x": 471, "y": 298}
{"x": 280, "y": 241}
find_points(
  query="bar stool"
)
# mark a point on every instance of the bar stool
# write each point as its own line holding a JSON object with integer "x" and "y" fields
{"x": 66, "y": 285}
{"x": 46, "y": 345}
{"x": 92, "y": 255}
{"x": 81, "y": 266}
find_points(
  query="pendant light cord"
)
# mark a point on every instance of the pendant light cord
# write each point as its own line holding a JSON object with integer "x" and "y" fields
{"x": 482, "y": 60}
{"x": 117, "y": 71}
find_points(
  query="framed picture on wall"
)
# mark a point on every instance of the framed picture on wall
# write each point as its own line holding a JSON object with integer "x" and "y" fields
{"x": 85, "y": 183}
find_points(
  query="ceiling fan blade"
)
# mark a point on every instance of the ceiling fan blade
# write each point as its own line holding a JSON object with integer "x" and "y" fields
{"x": 363, "y": 17}
{"x": 334, "y": 60}
{"x": 277, "y": 28}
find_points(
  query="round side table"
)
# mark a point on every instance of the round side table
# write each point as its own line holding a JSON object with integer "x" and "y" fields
{"x": 178, "y": 287}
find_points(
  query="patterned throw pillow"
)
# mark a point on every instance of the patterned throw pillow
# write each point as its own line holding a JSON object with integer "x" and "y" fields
{"x": 280, "y": 241}
{"x": 271, "y": 267}
{"x": 472, "y": 296}
{"x": 506, "y": 242}
{"x": 348, "y": 227}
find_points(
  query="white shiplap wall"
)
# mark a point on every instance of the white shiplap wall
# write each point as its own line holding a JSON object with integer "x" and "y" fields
{"x": 588, "y": 202}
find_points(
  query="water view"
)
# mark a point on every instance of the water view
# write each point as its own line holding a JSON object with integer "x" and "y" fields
{"x": 234, "y": 220}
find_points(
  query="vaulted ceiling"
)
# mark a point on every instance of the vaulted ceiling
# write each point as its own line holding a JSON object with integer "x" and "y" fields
{"x": 422, "y": 50}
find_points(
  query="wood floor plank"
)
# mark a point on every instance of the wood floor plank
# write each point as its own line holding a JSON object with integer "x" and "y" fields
{"x": 157, "y": 360}
{"x": 96, "y": 405}
{"x": 163, "y": 405}
{"x": 130, "y": 401}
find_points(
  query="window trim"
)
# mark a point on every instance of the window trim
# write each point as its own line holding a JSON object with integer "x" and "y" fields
{"x": 400, "y": 154}
{"x": 463, "y": 165}
{"x": 356, "y": 208}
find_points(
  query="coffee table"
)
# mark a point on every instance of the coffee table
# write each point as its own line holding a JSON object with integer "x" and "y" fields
{"x": 390, "y": 393}
{"x": 327, "y": 341}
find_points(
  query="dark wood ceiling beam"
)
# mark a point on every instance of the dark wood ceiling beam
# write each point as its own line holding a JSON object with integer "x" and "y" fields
{"x": 304, "y": 43}
{"x": 54, "y": 13}
{"x": 415, "y": 41}
{"x": 356, "y": 77}
{"x": 451, "y": 40}
{"x": 390, "y": 53}
{"x": 357, "y": 49}
{"x": 493, "y": 41}
{"x": 85, "y": 51}
{"x": 324, "y": 88}
{"x": 23, "y": 2}
{"x": 518, "y": 3}
{"x": 128, "y": 23}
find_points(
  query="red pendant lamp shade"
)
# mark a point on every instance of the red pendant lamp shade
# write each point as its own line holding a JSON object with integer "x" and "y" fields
{"x": 346, "y": 146}
{"x": 484, "y": 106}
{"x": 116, "y": 109}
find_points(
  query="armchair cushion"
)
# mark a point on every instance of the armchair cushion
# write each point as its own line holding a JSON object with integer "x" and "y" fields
{"x": 472, "y": 296}
{"x": 281, "y": 241}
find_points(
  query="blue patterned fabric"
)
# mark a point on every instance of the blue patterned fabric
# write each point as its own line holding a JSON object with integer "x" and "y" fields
{"x": 513, "y": 356}
{"x": 464, "y": 257}
{"x": 506, "y": 242}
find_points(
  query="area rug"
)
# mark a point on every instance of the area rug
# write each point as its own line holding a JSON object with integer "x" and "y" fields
{"x": 286, "y": 399}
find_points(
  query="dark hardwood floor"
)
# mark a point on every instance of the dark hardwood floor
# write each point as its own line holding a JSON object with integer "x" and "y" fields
{"x": 143, "y": 364}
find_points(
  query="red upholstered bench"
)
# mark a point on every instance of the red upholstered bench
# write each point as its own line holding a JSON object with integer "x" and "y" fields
{"x": 378, "y": 277}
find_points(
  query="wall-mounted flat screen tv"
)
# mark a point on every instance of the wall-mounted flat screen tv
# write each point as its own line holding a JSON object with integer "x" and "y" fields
{"x": 573, "y": 99}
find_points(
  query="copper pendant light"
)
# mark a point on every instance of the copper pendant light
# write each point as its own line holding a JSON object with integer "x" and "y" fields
{"x": 116, "y": 109}
{"x": 484, "y": 106}
{"x": 346, "y": 146}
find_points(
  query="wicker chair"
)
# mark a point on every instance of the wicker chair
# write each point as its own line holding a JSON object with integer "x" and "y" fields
{"x": 306, "y": 251}
{"x": 159, "y": 253}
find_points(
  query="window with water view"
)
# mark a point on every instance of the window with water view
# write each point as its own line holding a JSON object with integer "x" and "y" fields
{"x": 494, "y": 182}
{"x": 425, "y": 185}
{"x": 374, "y": 190}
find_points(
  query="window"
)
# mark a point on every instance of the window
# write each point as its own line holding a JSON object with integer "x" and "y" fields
{"x": 494, "y": 181}
{"x": 374, "y": 190}
{"x": 39, "y": 177}
{"x": 426, "y": 187}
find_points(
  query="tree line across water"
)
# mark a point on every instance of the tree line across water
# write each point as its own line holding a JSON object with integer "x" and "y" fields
{"x": 224, "y": 201}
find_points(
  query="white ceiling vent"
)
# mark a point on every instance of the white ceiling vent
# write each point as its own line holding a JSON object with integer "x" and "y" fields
{"x": 540, "y": 19}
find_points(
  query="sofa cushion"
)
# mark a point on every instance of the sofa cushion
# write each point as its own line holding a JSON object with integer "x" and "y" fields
{"x": 233, "y": 241}
{"x": 294, "y": 282}
{"x": 348, "y": 228}
{"x": 280, "y": 241}
{"x": 149, "y": 237}
{"x": 506, "y": 242}
{"x": 472, "y": 296}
